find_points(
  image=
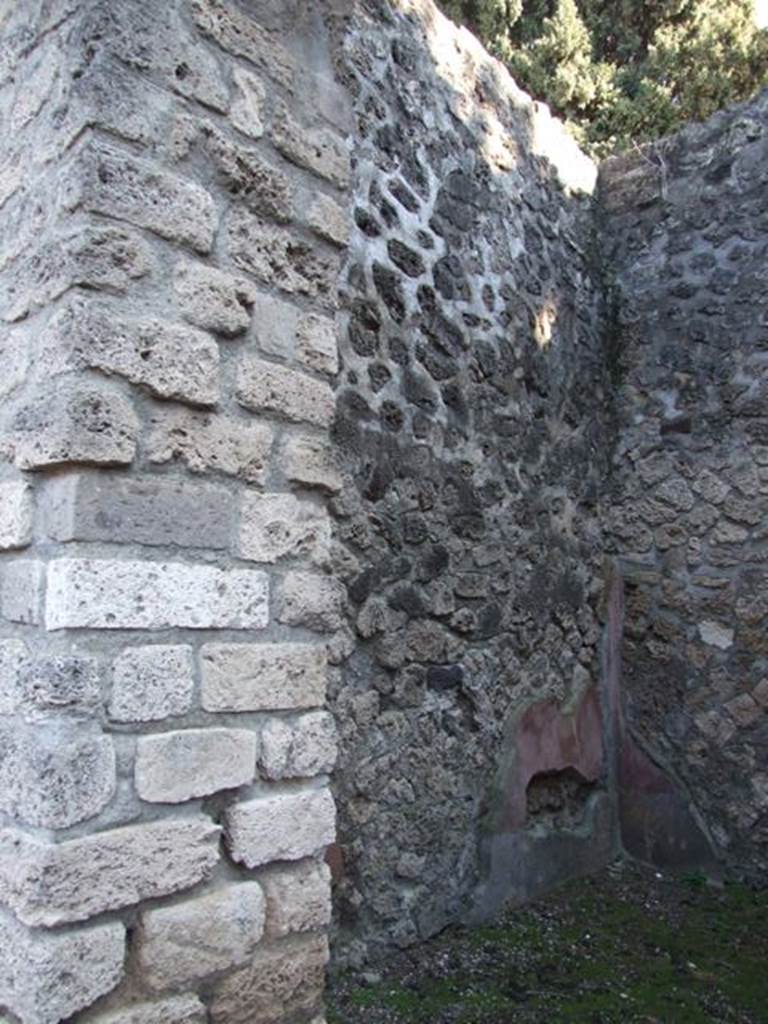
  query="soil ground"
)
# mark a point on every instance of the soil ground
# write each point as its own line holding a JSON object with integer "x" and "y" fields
{"x": 627, "y": 946}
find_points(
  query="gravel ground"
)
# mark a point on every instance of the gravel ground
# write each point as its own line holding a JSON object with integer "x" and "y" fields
{"x": 628, "y": 945}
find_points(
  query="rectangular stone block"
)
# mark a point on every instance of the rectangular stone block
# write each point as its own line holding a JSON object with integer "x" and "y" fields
{"x": 48, "y": 884}
{"x": 281, "y": 256}
{"x": 153, "y": 511}
{"x": 13, "y": 658}
{"x": 213, "y": 299}
{"x": 284, "y": 981}
{"x": 277, "y": 526}
{"x": 175, "y": 1010}
{"x": 48, "y": 976}
{"x": 75, "y": 422}
{"x": 55, "y": 778}
{"x": 15, "y": 514}
{"x": 175, "y": 766}
{"x": 319, "y": 150}
{"x": 276, "y": 321}
{"x": 105, "y": 258}
{"x": 241, "y": 35}
{"x": 191, "y": 940}
{"x": 268, "y": 388}
{"x": 248, "y": 106}
{"x": 310, "y": 462}
{"x": 21, "y": 590}
{"x": 314, "y": 602}
{"x": 316, "y": 344}
{"x": 207, "y": 443}
{"x": 68, "y": 683}
{"x": 126, "y": 594}
{"x": 169, "y": 360}
{"x": 329, "y": 220}
{"x": 262, "y": 677}
{"x": 243, "y": 174}
{"x": 287, "y": 826}
{"x": 106, "y": 180}
{"x": 298, "y": 897}
{"x": 151, "y": 683}
{"x": 298, "y": 748}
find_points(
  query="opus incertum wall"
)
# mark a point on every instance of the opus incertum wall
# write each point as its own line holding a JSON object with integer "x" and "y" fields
{"x": 334, "y": 425}
{"x": 172, "y": 199}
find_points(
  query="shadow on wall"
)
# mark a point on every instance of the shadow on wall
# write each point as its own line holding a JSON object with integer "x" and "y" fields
{"x": 474, "y": 427}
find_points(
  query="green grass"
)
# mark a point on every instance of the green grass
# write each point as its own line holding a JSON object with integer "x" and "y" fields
{"x": 688, "y": 954}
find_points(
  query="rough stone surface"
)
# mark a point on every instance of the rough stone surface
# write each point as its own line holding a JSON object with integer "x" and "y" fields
{"x": 316, "y": 344}
{"x": 151, "y": 683}
{"x": 283, "y": 980}
{"x": 284, "y": 827}
{"x": 298, "y": 748}
{"x": 45, "y": 977}
{"x": 13, "y": 657}
{"x": 47, "y": 884}
{"x": 213, "y": 299}
{"x": 309, "y": 600}
{"x": 108, "y": 181}
{"x": 278, "y": 526}
{"x": 262, "y": 677}
{"x": 170, "y": 360}
{"x": 176, "y": 1010}
{"x": 21, "y": 587}
{"x": 75, "y": 423}
{"x": 298, "y": 898}
{"x": 266, "y": 387}
{"x": 211, "y": 444}
{"x": 309, "y": 462}
{"x": 176, "y": 766}
{"x": 15, "y": 515}
{"x": 55, "y": 778}
{"x": 190, "y": 940}
{"x": 153, "y": 512}
{"x": 123, "y": 594}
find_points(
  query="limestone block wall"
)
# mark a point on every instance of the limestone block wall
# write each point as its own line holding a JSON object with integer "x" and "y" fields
{"x": 173, "y": 186}
{"x": 686, "y": 242}
{"x": 471, "y": 423}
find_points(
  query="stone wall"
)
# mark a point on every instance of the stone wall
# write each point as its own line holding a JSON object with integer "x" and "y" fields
{"x": 685, "y": 227}
{"x": 470, "y": 422}
{"x": 172, "y": 206}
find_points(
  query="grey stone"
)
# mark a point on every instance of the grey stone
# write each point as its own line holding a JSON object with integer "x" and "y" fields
{"x": 13, "y": 658}
{"x": 269, "y": 388}
{"x": 151, "y": 683}
{"x": 50, "y": 884}
{"x": 281, "y": 257}
{"x": 21, "y": 590}
{"x": 311, "y": 601}
{"x": 125, "y": 594}
{"x": 317, "y": 149}
{"x": 105, "y": 180}
{"x": 16, "y": 510}
{"x": 284, "y": 979}
{"x": 213, "y": 299}
{"x": 174, "y": 1010}
{"x": 287, "y": 826}
{"x": 75, "y": 422}
{"x": 170, "y": 360}
{"x": 198, "y": 937}
{"x": 298, "y": 897}
{"x": 176, "y": 766}
{"x": 56, "y": 683}
{"x": 316, "y": 343}
{"x": 262, "y": 677}
{"x": 241, "y": 35}
{"x": 47, "y": 976}
{"x": 311, "y": 462}
{"x": 330, "y": 220}
{"x": 151, "y": 511}
{"x": 211, "y": 443}
{"x": 247, "y": 113}
{"x": 298, "y": 748}
{"x": 278, "y": 526}
{"x": 55, "y": 778}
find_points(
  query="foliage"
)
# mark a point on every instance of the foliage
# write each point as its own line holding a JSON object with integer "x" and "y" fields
{"x": 625, "y": 71}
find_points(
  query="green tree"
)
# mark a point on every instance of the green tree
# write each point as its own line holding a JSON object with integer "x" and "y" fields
{"x": 623, "y": 71}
